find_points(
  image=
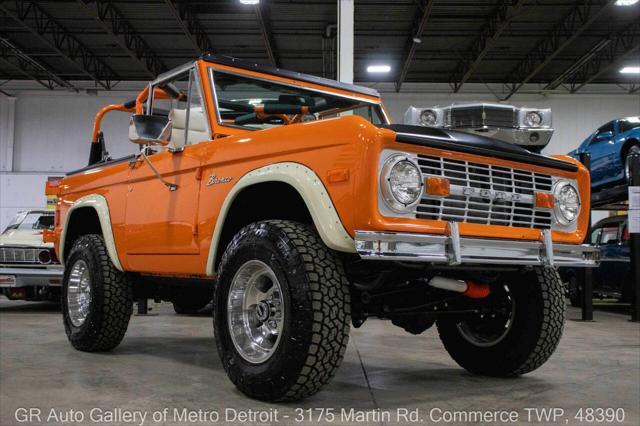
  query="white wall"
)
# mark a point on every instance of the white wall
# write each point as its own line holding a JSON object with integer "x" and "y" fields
{"x": 21, "y": 191}
{"x": 51, "y": 133}
{"x": 52, "y": 130}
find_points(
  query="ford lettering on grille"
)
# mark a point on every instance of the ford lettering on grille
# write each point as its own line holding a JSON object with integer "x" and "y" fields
{"x": 485, "y": 194}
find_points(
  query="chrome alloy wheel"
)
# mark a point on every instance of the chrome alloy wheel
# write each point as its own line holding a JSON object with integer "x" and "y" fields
{"x": 255, "y": 314}
{"x": 79, "y": 293}
{"x": 490, "y": 329}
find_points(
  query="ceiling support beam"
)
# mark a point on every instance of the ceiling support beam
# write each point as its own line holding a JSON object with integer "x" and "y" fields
{"x": 564, "y": 32}
{"x": 190, "y": 25}
{"x": 620, "y": 47}
{"x": 494, "y": 27}
{"x": 345, "y": 40}
{"x": 416, "y": 33}
{"x": 262, "y": 14}
{"x": 120, "y": 30}
{"x": 50, "y": 32}
{"x": 24, "y": 64}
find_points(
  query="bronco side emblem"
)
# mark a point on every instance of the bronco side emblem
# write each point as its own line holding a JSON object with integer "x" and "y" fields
{"x": 214, "y": 180}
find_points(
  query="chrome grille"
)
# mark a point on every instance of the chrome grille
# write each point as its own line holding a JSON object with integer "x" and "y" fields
{"x": 485, "y": 194}
{"x": 19, "y": 255}
{"x": 479, "y": 116}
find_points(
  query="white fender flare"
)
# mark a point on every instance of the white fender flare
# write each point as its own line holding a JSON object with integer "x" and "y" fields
{"x": 314, "y": 194}
{"x": 99, "y": 204}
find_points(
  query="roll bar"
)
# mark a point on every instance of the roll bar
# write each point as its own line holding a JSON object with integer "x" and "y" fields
{"x": 134, "y": 105}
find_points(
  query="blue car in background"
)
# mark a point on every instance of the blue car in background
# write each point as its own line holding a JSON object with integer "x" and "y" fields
{"x": 611, "y": 147}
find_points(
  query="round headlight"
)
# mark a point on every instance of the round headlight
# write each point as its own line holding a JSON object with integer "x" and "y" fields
{"x": 44, "y": 256}
{"x": 533, "y": 119}
{"x": 567, "y": 202}
{"x": 428, "y": 118}
{"x": 401, "y": 183}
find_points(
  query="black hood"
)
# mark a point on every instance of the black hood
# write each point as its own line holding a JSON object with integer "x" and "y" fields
{"x": 456, "y": 140}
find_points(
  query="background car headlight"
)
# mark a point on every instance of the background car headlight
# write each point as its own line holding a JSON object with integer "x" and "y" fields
{"x": 428, "y": 117}
{"x": 533, "y": 119}
{"x": 401, "y": 183}
{"x": 567, "y": 202}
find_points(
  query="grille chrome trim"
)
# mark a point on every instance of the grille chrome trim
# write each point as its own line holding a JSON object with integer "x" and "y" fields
{"x": 19, "y": 255}
{"x": 482, "y": 116}
{"x": 485, "y": 194}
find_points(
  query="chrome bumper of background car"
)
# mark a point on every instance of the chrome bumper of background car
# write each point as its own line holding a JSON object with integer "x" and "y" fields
{"x": 30, "y": 277}
{"x": 454, "y": 250}
{"x": 523, "y": 137}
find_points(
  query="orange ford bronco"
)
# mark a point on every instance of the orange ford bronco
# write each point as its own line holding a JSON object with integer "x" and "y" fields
{"x": 294, "y": 204}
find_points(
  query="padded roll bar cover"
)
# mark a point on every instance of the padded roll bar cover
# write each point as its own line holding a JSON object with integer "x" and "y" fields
{"x": 130, "y": 104}
{"x": 282, "y": 109}
{"x": 236, "y": 106}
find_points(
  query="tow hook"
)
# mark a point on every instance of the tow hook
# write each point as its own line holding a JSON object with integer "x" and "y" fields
{"x": 468, "y": 288}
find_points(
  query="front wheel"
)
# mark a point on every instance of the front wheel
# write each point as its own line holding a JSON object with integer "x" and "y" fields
{"x": 97, "y": 299}
{"x": 517, "y": 328}
{"x": 281, "y": 311}
{"x": 634, "y": 150}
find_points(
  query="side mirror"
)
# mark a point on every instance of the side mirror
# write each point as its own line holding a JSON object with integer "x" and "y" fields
{"x": 150, "y": 129}
{"x": 604, "y": 135}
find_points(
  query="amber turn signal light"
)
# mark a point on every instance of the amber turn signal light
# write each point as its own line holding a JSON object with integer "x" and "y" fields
{"x": 438, "y": 186}
{"x": 544, "y": 200}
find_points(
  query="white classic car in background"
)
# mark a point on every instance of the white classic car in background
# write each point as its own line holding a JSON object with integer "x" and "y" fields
{"x": 527, "y": 127}
{"x": 29, "y": 269}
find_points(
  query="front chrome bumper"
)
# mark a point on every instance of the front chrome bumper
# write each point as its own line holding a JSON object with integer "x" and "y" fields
{"x": 454, "y": 250}
{"x": 12, "y": 277}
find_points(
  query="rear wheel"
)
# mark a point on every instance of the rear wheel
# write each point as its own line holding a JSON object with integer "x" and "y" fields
{"x": 96, "y": 298}
{"x": 281, "y": 311}
{"x": 517, "y": 330}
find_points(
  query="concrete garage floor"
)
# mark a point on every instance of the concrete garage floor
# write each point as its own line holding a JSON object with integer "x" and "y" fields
{"x": 170, "y": 361}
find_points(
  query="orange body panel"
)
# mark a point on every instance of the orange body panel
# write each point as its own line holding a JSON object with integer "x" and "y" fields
{"x": 169, "y": 232}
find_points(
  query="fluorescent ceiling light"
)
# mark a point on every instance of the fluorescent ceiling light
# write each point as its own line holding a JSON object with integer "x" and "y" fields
{"x": 630, "y": 70}
{"x": 378, "y": 68}
{"x": 249, "y": 1}
{"x": 626, "y": 2}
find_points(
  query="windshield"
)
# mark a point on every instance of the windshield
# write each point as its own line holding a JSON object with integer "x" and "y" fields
{"x": 31, "y": 221}
{"x": 257, "y": 104}
{"x": 629, "y": 123}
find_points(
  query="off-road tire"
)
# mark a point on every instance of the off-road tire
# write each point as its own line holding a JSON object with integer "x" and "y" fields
{"x": 111, "y": 298}
{"x": 537, "y": 325}
{"x": 191, "y": 302}
{"x": 316, "y": 304}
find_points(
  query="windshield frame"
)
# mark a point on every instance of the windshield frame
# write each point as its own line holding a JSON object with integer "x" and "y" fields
{"x": 215, "y": 68}
{"x": 21, "y": 217}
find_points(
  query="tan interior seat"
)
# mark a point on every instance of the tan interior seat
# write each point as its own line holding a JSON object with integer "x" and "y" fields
{"x": 198, "y": 131}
